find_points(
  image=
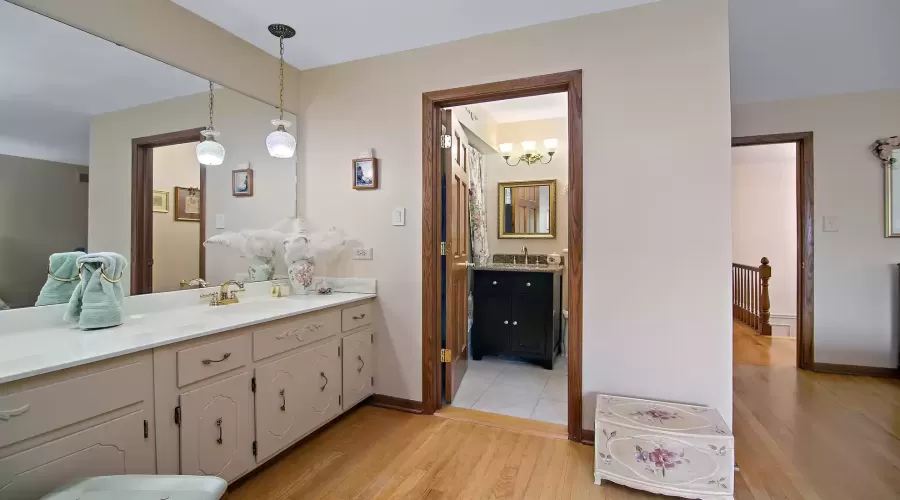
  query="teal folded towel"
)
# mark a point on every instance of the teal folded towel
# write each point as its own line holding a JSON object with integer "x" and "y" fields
{"x": 98, "y": 297}
{"x": 62, "y": 278}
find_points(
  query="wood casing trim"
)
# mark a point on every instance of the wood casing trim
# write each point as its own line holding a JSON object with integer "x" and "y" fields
{"x": 392, "y": 403}
{"x": 805, "y": 234}
{"x": 142, "y": 205}
{"x": 869, "y": 371}
{"x": 432, "y": 103}
{"x": 587, "y": 437}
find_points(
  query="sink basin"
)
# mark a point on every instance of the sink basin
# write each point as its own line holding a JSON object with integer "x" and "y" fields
{"x": 246, "y": 307}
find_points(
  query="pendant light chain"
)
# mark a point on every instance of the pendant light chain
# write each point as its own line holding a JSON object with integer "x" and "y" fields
{"x": 281, "y": 78}
{"x": 210, "y": 105}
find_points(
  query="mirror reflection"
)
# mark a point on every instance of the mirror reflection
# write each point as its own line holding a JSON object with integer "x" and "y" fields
{"x": 79, "y": 117}
{"x": 527, "y": 209}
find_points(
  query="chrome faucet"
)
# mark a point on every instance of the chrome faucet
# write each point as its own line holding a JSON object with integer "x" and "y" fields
{"x": 525, "y": 251}
{"x": 224, "y": 297}
{"x": 199, "y": 282}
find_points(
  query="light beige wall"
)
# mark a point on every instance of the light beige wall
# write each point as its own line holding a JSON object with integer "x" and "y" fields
{"x": 497, "y": 170}
{"x": 855, "y": 273}
{"x": 176, "y": 244}
{"x": 243, "y": 123}
{"x": 43, "y": 210}
{"x": 657, "y": 201}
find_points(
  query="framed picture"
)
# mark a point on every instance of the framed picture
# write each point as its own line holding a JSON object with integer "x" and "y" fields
{"x": 187, "y": 204}
{"x": 161, "y": 201}
{"x": 242, "y": 182}
{"x": 365, "y": 173}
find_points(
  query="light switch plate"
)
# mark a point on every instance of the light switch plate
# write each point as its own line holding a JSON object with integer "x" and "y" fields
{"x": 220, "y": 221}
{"x": 398, "y": 217}
{"x": 362, "y": 254}
{"x": 830, "y": 224}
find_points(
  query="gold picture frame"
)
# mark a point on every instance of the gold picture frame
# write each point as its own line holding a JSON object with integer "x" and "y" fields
{"x": 160, "y": 201}
{"x": 188, "y": 204}
{"x": 502, "y": 211}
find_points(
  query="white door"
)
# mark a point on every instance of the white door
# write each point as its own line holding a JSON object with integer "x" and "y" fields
{"x": 111, "y": 448}
{"x": 322, "y": 383}
{"x": 358, "y": 367}
{"x": 280, "y": 404}
{"x": 216, "y": 434}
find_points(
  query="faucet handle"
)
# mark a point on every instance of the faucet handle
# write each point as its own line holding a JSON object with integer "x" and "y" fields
{"x": 214, "y": 298}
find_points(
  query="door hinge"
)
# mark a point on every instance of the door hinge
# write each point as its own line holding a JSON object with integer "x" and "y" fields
{"x": 446, "y": 141}
{"x": 178, "y": 415}
{"x": 253, "y": 384}
{"x": 146, "y": 429}
{"x": 443, "y": 248}
{"x": 339, "y": 351}
{"x": 255, "y": 450}
{"x": 446, "y": 356}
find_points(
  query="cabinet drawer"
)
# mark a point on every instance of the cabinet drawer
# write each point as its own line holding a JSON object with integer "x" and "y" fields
{"x": 36, "y": 411}
{"x": 355, "y": 317}
{"x": 287, "y": 334}
{"x": 494, "y": 282}
{"x": 204, "y": 361}
{"x": 534, "y": 285}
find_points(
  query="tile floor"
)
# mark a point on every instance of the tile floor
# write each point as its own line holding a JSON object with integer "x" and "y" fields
{"x": 517, "y": 389}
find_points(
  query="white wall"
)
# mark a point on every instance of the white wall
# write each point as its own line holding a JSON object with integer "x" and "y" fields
{"x": 43, "y": 210}
{"x": 176, "y": 244}
{"x": 657, "y": 201}
{"x": 855, "y": 269}
{"x": 243, "y": 123}
{"x": 764, "y": 218}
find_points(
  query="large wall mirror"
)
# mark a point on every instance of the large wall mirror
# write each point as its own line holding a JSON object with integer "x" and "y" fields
{"x": 72, "y": 109}
{"x": 888, "y": 152}
{"x": 527, "y": 209}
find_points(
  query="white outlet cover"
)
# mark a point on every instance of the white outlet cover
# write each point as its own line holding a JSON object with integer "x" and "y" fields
{"x": 362, "y": 254}
{"x": 831, "y": 224}
{"x": 220, "y": 221}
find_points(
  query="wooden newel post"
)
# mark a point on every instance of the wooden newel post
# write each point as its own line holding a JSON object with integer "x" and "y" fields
{"x": 765, "y": 272}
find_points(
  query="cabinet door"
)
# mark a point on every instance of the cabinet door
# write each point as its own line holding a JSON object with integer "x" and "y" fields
{"x": 111, "y": 448}
{"x": 322, "y": 383}
{"x": 359, "y": 366}
{"x": 528, "y": 332}
{"x": 490, "y": 329}
{"x": 216, "y": 436}
{"x": 280, "y": 404}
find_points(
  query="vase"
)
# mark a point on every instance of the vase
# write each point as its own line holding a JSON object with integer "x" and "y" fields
{"x": 301, "y": 275}
{"x": 260, "y": 270}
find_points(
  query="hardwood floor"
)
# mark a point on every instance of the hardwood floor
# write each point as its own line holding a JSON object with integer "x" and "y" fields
{"x": 799, "y": 435}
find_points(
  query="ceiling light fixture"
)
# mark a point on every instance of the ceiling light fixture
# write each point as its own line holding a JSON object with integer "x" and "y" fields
{"x": 280, "y": 143}
{"x": 210, "y": 152}
{"x": 531, "y": 156}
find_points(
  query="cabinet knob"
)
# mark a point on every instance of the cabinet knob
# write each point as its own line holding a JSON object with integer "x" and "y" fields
{"x": 515, "y": 323}
{"x": 528, "y": 284}
{"x": 495, "y": 283}
{"x": 506, "y": 322}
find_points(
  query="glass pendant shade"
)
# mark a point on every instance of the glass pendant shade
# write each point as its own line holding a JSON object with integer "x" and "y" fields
{"x": 506, "y": 148}
{"x": 280, "y": 143}
{"x": 529, "y": 146}
{"x": 210, "y": 152}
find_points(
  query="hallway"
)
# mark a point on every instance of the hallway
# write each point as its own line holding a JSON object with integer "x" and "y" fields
{"x": 799, "y": 435}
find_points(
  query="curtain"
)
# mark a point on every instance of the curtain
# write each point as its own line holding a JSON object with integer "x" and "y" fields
{"x": 477, "y": 210}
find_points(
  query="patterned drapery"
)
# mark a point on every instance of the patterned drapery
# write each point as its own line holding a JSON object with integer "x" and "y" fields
{"x": 477, "y": 210}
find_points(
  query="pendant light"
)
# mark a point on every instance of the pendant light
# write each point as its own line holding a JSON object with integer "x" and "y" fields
{"x": 280, "y": 143}
{"x": 210, "y": 152}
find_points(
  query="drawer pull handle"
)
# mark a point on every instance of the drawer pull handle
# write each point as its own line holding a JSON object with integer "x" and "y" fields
{"x": 283, "y": 399}
{"x": 495, "y": 283}
{"x": 361, "y": 316}
{"x": 528, "y": 284}
{"x": 506, "y": 322}
{"x": 210, "y": 361}
{"x": 326, "y": 381}
{"x": 515, "y": 323}
{"x": 219, "y": 425}
{"x": 5, "y": 415}
{"x": 359, "y": 370}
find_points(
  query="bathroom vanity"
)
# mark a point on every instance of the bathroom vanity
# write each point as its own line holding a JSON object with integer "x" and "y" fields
{"x": 180, "y": 390}
{"x": 518, "y": 312}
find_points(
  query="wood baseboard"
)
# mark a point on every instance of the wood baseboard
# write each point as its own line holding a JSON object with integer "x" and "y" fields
{"x": 869, "y": 371}
{"x": 587, "y": 437}
{"x": 392, "y": 403}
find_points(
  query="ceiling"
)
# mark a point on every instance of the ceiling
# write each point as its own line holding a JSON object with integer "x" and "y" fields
{"x": 53, "y": 78}
{"x": 780, "y": 49}
{"x": 527, "y": 108}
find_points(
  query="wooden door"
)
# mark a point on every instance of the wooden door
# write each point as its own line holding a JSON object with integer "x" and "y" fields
{"x": 280, "y": 404}
{"x": 322, "y": 383}
{"x": 359, "y": 366}
{"x": 456, "y": 216}
{"x": 111, "y": 448}
{"x": 216, "y": 433}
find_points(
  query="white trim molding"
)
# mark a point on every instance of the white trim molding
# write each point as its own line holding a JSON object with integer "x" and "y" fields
{"x": 783, "y": 325}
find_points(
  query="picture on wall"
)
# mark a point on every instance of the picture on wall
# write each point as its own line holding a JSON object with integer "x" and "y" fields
{"x": 242, "y": 182}
{"x": 187, "y": 204}
{"x": 365, "y": 173}
{"x": 161, "y": 201}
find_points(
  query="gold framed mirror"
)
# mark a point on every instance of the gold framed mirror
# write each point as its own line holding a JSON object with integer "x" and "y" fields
{"x": 526, "y": 209}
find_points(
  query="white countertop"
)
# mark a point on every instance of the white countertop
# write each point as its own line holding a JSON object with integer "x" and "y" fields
{"x": 31, "y": 352}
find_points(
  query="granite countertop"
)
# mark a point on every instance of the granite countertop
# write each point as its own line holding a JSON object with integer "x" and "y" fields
{"x": 528, "y": 268}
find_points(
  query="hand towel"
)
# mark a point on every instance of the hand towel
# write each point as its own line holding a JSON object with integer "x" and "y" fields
{"x": 62, "y": 278}
{"x": 98, "y": 297}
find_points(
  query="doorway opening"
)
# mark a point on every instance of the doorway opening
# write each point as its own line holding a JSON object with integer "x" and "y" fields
{"x": 772, "y": 241}
{"x": 176, "y": 198}
{"x": 451, "y": 257}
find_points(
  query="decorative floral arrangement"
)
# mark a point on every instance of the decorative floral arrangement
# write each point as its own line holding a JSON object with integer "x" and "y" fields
{"x": 257, "y": 245}
{"x": 304, "y": 249}
{"x": 884, "y": 150}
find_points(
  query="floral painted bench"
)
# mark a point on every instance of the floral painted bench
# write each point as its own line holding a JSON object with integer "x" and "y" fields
{"x": 667, "y": 448}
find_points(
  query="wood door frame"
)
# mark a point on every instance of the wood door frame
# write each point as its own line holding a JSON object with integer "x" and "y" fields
{"x": 805, "y": 233}
{"x": 142, "y": 205}
{"x": 432, "y": 213}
